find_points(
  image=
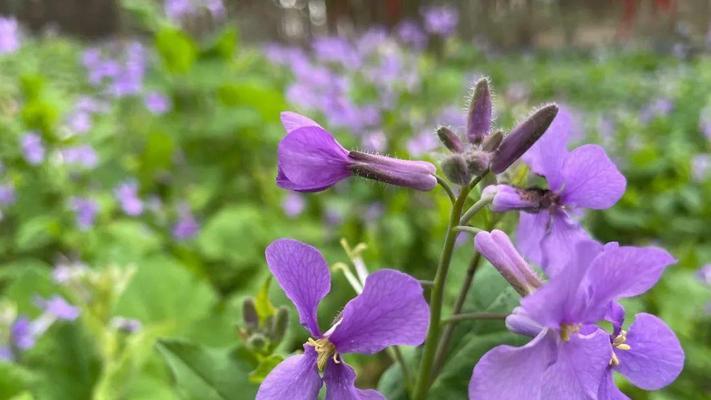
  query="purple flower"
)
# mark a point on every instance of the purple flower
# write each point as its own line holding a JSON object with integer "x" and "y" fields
{"x": 7, "y": 194}
{"x": 59, "y": 308}
{"x": 499, "y": 250}
{"x": 311, "y": 160}
{"x": 569, "y": 355}
{"x": 657, "y": 108}
{"x": 127, "y": 195}
{"x": 704, "y": 274}
{"x": 178, "y": 9}
{"x": 6, "y": 353}
{"x": 421, "y": 144}
{"x": 441, "y": 21}
{"x": 187, "y": 226}
{"x": 22, "y": 334}
{"x": 375, "y": 141}
{"x": 156, "y": 103}
{"x": 32, "y": 148}
{"x": 391, "y": 310}
{"x": 411, "y": 34}
{"x": 9, "y": 35}
{"x": 582, "y": 178}
{"x": 79, "y": 122}
{"x": 83, "y": 155}
{"x": 337, "y": 50}
{"x": 85, "y": 211}
{"x": 293, "y": 204}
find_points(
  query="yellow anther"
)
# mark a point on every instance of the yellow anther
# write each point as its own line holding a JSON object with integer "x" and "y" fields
{"x": 324, "y": 350}
{"x": 567, "y": 330}
{"x": 614, "y": 361}
{"x": 623, "y": 347}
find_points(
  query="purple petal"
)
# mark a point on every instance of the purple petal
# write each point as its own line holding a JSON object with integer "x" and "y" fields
{"x": 591, "y": 179}
{"x": 655, "y": 357}
{"x": 547, "y": 155}
{"x": 294, "y": 378}
{"x": 579, "y": 368}
{"x": 549, "y": 238}
{"x": 608, "y": 390}
{"x": 284, "y": 183}
{"x": 507, "y": 198}
{"x": 303, "y": 275}
{"x": 309, "y": 157}
{"x": 513, "y": 373}
{"x": 390, "y": 311}
{"x": 340, "y": 384}
{"x": 616, "y": 316}
{"x": 624, "y": 271}
{"x": 59, "y": 308}
{"x": 293, "y": 121}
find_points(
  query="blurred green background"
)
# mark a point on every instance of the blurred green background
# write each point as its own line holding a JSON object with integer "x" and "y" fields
{"x": 138, "y": 155}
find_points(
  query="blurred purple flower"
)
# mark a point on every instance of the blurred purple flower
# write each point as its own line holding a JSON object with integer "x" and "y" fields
{"x": 704, "y": 274}
{"x": 83, "y": 155}
{"x": 517, "y": 92}
{"x": 658, "y": 108}
{"x": 176, "y": 10}
{"x": 126, "y": 325}
{"x": 216, "y": 8}
{"x": 422, "y": 144}
{"x": 187, "y": 226}
{"x": 32, "y": 148}
{"x": 9, "y": 35}
{"x": 64, "y": 272}
{"x": 6, "y": 353}
{"x": 85, "y": 211}
{"x": 336, "y": 49}
{"x": 373, "y": 212}
{"x": 59, "y": 308}
{"x": 705, "y": 122}
{"x": 700, "y": 166}
{"x": 157, "y": 103}
{"x": 127, "y": 195}
{"x": 371, "y": 40}
{"x": 412, "y": 34}
{"x": 79, "y": 122}
{"x": 7, "y": 194}
{"x": 375, "y": 141}
{"x": 22, "y": 335}
{"x": 293, "y": 204}
{"x": 441, "y": 21}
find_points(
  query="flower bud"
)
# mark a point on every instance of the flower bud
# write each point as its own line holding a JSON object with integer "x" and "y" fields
{"x": 450, "y": 140}
{"x": 522, "y": 138}
{"x": 507, "y": 198}
{"x": 249, "y": 314}
{"x": 478, "y": 162}
{"x": 417, "y": 175}
{"x": 498, "y": 249}
{"x": 520, "y": 322}
{"x": 279, "y": 325}
{"x": 456, "y": 169}
{"x": 257, "y": 342}
{"x": 479, "y": 119}
{"x": 492, "y": 142}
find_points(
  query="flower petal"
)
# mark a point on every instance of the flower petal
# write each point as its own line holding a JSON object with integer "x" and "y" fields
{"x": 309, "y": 157}
{"x": 549, "y": 239}
{"x": 340, "y": 384}
{"x": 624, "y": 271}
{"x": 655, "y": 357}
{"x": 579, "y": 367}
{"x": 547, "y": 155}
{"x": 284, "y": 183}
{"x": 391, "y": 310}
{"x": 293, "y": 121}
{"x": 294, "y": 378}
{"x": 608, "y": 390}
{"x": 303, "y": 274}
{"x": 513, "y": 373}
{"x": 591, "y": 179}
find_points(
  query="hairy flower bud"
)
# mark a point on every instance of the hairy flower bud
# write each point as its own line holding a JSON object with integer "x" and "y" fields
{"x": 478, "y": 162}
{"x": 456, "y": 169}
{"x": 258, "y": 342}
{"x": 249, "y": 314}
{"x": 450, "y": 139}
{"x": 417, "y": 175}
{"x": 523, "y": 137}
{"x": 279, "y": 325}
{"x": 492, "y": 142}
{"x": 480, "y": 110}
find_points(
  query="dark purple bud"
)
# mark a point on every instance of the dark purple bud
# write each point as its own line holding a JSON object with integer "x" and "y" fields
{"x": 492, "y": 142}
{"x": 479, "y": 119}
{"x": 417, "y": 175}
{"x": 456, "y": 170}
{"x": 249, "y": 314}
{"x": 279, "y": 325}
{"x": 522, "y": 138}
{"x": 450, "y": 140}
{"x": 478, "y": 162}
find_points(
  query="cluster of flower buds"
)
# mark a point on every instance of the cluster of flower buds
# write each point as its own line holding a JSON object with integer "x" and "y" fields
{"x": 488, "y": 149}
{"x": 262, "y": 334}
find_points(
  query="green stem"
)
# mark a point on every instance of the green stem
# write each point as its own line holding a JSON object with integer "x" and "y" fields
{"x": 473, "y": 210}
{"x": 474, "y": 316}
{"x": 468, "y": 229}
{"x": 445, "y": 186}
{"x": 437, "y": 295}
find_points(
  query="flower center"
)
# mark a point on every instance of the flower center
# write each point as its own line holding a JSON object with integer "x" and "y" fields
{"x": 325, "y": 350}
{"x": 566, "y": 330}
{"x": 619, "y": 344}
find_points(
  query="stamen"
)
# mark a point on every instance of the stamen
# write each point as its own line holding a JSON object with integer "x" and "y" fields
{"x": 324, "y": 350}
{"x": 614, "y": 361}
{"x": 567, "y": 330}
{"x": 623, "y": 346}
{"x": 619, "y": 341}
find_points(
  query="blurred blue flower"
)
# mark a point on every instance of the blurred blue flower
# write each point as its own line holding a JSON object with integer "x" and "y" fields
{"x": 85, "y": 211}
{"x": 441, "y": 21}
{"x": 187, "y": 226}
{"x": 59, "y": 308}
{"x": 412, "y": 34}
{"x": 157, "y": 103}
{"x": 293, "y": 204}
{"x": 9, "y": 35}
{"x": 127, "y": 195}
{"x": 83, "y": 155}
{"x": 7, "y": 194}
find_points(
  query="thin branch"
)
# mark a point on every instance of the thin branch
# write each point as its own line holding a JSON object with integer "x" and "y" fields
{"x": 475, "y": 208}
{"x": 469, "y": 229}
{"x": 474, "y": 316}
{"x": 425, "y": 283}
{"x": 447, "y": 188}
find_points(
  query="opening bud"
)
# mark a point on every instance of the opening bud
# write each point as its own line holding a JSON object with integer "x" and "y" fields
{"x": 523, "y": 137}
{"x": 498, "y": 249}
{"x": 417, "y": 175}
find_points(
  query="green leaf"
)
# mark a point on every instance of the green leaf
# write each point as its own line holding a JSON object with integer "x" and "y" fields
{"x": 206, "y": 374}
{"x": 264, "y": 306}
{"x": 14, "y": 380}
{"x": 177, "y": 50}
